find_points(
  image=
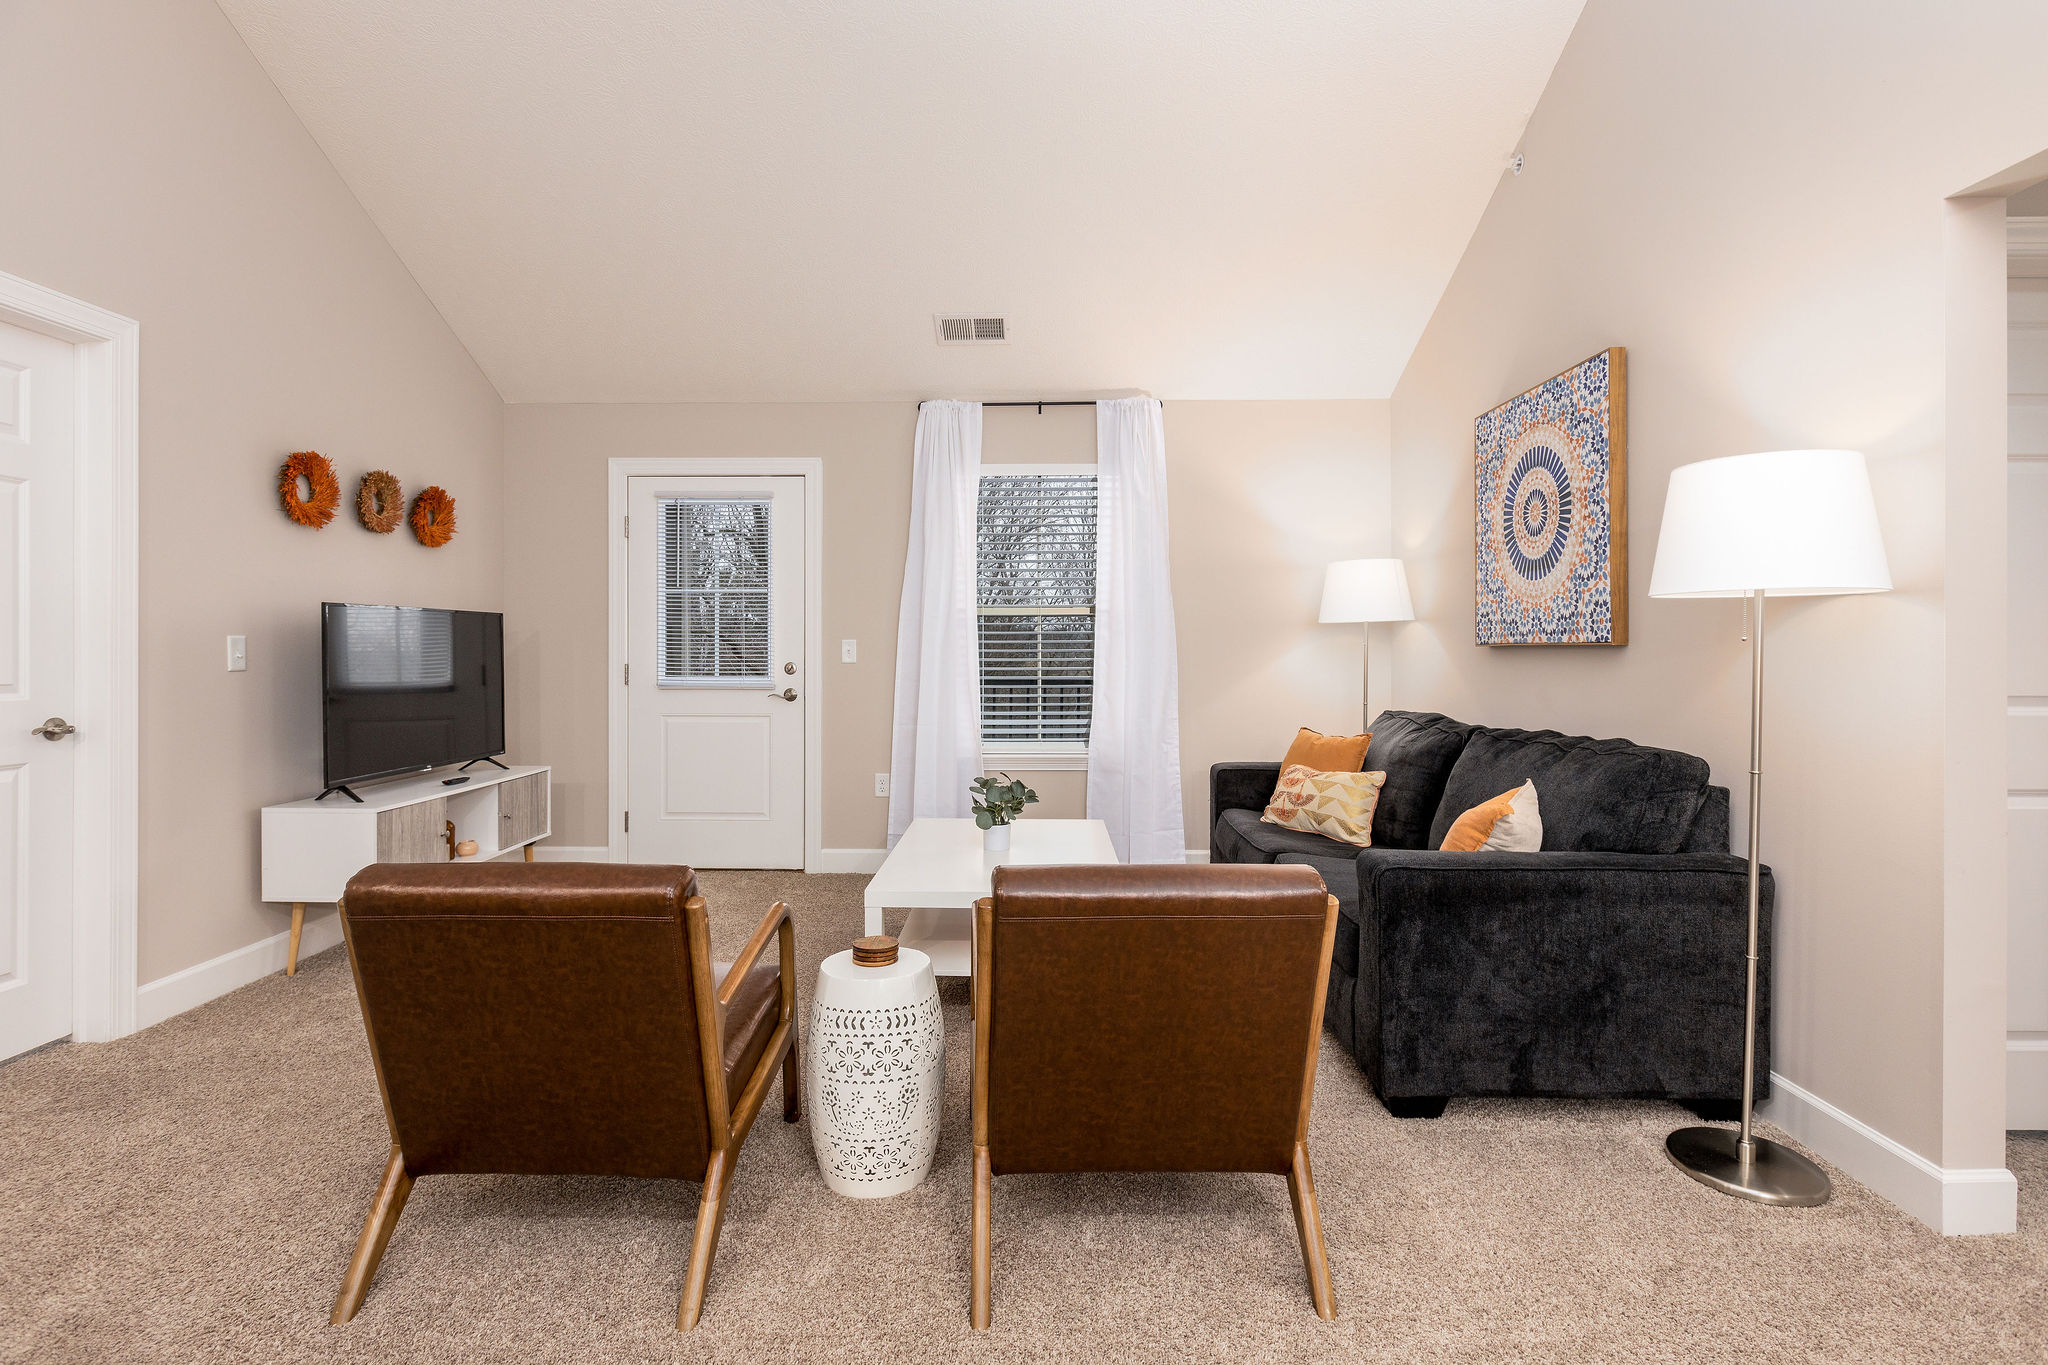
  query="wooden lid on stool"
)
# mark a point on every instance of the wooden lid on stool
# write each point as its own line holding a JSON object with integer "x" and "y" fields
{"x": 878, "y": 951}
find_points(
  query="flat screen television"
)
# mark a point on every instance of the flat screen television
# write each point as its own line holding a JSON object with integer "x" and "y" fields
{"x": 408, "y": 688}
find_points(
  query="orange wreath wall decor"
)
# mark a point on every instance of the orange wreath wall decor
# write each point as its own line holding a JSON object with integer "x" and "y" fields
{"x": 380, "y": 502}
{"x": 433, "y": 517}
{"x": 315, "y": 509}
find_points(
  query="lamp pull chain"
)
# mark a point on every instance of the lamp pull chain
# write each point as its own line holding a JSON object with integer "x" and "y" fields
{"x": 1745, "y": 619}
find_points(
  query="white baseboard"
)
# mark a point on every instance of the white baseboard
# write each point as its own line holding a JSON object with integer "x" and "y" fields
{"x": 1952, "y": 1201}
{"x": 2026, "y": 1083}
{"x": 571, "y": 853}
{"x": 868, "y": 860}
{"x": 180, "y": 991}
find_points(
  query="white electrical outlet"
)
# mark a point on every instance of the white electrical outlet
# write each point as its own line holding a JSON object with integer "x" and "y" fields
{"x": 881, "y": 784}
{"x": 849, "y": 651}
{"x": 238, "y": 654}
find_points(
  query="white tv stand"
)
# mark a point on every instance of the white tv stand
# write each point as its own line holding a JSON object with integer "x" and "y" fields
{"x": 312, "y": 847}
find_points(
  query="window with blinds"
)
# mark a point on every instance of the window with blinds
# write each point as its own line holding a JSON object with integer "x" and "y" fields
{"x": 1035, "y": 595}
{"x": 714, "y": 592}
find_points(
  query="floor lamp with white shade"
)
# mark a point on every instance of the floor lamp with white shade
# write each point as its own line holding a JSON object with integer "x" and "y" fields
{"x": 1785, "y": 523}
{"x": 1360, "y": 592}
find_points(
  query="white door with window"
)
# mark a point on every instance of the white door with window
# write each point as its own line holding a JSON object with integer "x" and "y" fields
{"x": 716, "y": 671}
{"x": 38, "y": 401}
{"x": 2026, "y": 1090}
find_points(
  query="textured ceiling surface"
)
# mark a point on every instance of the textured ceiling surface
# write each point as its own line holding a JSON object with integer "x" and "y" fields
{"x": 652, "y": 200}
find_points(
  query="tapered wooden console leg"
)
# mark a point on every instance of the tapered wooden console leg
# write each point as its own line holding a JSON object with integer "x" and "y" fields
{"x": 1308, "y": 1222}
{"x": 792, "y": 1104}
{"x": 978, "y": 1303}
{"x": 529, "y": 853}
{"x": 291, "y": 962}
{"x": 710, "y": 1217}
{"x": 384, "y": 1211}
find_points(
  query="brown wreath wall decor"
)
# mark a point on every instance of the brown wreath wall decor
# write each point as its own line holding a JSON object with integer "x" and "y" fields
{"x": 433, "y": 517}
{"x": 380, "y": 502}
{"x": 317, "y": 508}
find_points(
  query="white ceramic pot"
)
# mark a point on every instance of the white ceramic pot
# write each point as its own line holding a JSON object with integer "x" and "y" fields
{"x": 996, "y": 839}
{"x": 875, "y": 1063}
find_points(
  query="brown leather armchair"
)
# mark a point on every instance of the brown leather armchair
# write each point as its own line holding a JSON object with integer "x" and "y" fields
{"x": 1149, "y": 1019}
{"x": 562, "y": 1019}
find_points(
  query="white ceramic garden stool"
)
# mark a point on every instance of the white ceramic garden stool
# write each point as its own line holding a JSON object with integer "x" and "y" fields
{"x": 875, "y": 1061}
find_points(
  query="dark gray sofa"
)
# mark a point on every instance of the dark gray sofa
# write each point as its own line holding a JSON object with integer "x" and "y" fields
{"x": 1608, "y": 965}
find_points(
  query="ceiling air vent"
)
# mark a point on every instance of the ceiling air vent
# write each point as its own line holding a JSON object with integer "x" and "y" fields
{"x": 964, "y": 329}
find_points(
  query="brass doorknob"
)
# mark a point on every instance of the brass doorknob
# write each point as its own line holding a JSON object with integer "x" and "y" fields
{"x": 787, "y": 694}
{"x": 55, "y": 728}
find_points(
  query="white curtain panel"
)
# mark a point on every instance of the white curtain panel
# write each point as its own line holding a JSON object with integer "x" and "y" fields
{"x": 935, "y": 747}
{"x": 1134, "y": 736}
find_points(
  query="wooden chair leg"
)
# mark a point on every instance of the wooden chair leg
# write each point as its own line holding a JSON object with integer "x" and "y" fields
{"x": 291, "y": 961}
{"x": 710, "y": 1217}
{"x": 1308, "y": 1222}
{"x": 384, "y": 1211}
{"x": 978, "y": 1302}
{"x": 792, "y": 1105}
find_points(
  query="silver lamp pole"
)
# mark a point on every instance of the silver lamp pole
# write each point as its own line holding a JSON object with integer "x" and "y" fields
{"x": 1365, "y": 680}
{"x": 1743, "y": 1164}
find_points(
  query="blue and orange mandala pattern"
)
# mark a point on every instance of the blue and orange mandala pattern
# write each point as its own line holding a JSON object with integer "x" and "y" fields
{"x": 1544, "y": 526}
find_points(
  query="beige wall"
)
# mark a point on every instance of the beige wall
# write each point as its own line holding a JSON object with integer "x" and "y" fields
{"x": 1263, "y": 494}
{"x": 150, "y": 167}
{"x": 1751, "y": 200}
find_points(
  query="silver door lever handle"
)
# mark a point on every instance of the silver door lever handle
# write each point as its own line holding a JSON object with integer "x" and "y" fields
{"x": 55, "y": 728}
{"x": 786, "y": 694}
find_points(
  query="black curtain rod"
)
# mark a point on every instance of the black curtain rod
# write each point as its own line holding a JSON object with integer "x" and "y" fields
{"x": 1042, "y": 405}
{"x": 1039, "y": 404}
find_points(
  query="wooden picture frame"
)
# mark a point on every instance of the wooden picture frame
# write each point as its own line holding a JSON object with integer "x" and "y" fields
{"x": 1550, "y": 494}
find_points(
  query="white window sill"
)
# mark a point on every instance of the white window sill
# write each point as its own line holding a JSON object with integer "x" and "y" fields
{"x": 1034, "y": 758}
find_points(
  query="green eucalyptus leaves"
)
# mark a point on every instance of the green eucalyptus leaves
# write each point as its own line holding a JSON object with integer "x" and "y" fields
{"x": 1000, "y": 799}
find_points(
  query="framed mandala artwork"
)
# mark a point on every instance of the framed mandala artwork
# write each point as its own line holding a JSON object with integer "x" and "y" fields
{"x": 1552, "y": 493}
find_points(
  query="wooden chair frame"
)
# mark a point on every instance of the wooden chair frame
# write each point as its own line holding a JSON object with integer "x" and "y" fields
{"x": 1301, "y": 1185}
{"x": 729, "y": 1120}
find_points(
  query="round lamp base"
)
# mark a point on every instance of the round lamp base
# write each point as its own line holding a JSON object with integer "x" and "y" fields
{"x": 1774, "y": 1174}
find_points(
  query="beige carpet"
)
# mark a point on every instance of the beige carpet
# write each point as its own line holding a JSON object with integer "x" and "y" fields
{"x": 192, "y": 1194}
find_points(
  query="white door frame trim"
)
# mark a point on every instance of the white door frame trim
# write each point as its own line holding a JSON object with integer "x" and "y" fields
{"x": 812, "y": 470}
{"x": 105, "y": 853}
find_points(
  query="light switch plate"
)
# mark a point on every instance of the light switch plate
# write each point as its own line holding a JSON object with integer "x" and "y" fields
{"x": 238, "y": 653}
{"x": 849, "y": 651}
{"x": 881, "y": 784}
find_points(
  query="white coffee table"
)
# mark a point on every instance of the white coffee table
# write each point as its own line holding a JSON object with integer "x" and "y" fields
{"x": 937, "y": 871}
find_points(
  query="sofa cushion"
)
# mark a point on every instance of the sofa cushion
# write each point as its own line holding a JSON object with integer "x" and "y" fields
{"x": 1242, "y": 837}
{"x": 1599, "y": 795}
{"x": 1340, "y": 877}
{"x": 1416, "y": 750}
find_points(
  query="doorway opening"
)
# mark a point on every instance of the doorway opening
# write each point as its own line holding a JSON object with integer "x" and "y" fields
{"x": 2026, "y": 1045}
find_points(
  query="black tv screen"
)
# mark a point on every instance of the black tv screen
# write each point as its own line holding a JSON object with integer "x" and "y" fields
{"x": 409, "y": 688}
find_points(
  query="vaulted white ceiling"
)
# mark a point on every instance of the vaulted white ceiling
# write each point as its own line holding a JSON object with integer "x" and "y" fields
{"x": 657, "y": 200}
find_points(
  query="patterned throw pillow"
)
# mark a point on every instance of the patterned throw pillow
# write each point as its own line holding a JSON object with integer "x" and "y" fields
{"x": 1509, "y": 823}
{"x": 1336, "y": 805}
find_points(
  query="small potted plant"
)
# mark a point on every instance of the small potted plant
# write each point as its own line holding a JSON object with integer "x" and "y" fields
{"x": 998, "y": 800}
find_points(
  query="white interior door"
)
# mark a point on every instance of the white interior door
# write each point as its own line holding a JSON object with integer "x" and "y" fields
{"x": 2027, "y": 708}
{"x": 716, "y": 671}
{"x": 38, "y": 418}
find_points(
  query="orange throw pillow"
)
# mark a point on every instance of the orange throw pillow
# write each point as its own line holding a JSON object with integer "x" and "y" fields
{"x": 1509, "y": 823}
{"x": 1327, "y": 753}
